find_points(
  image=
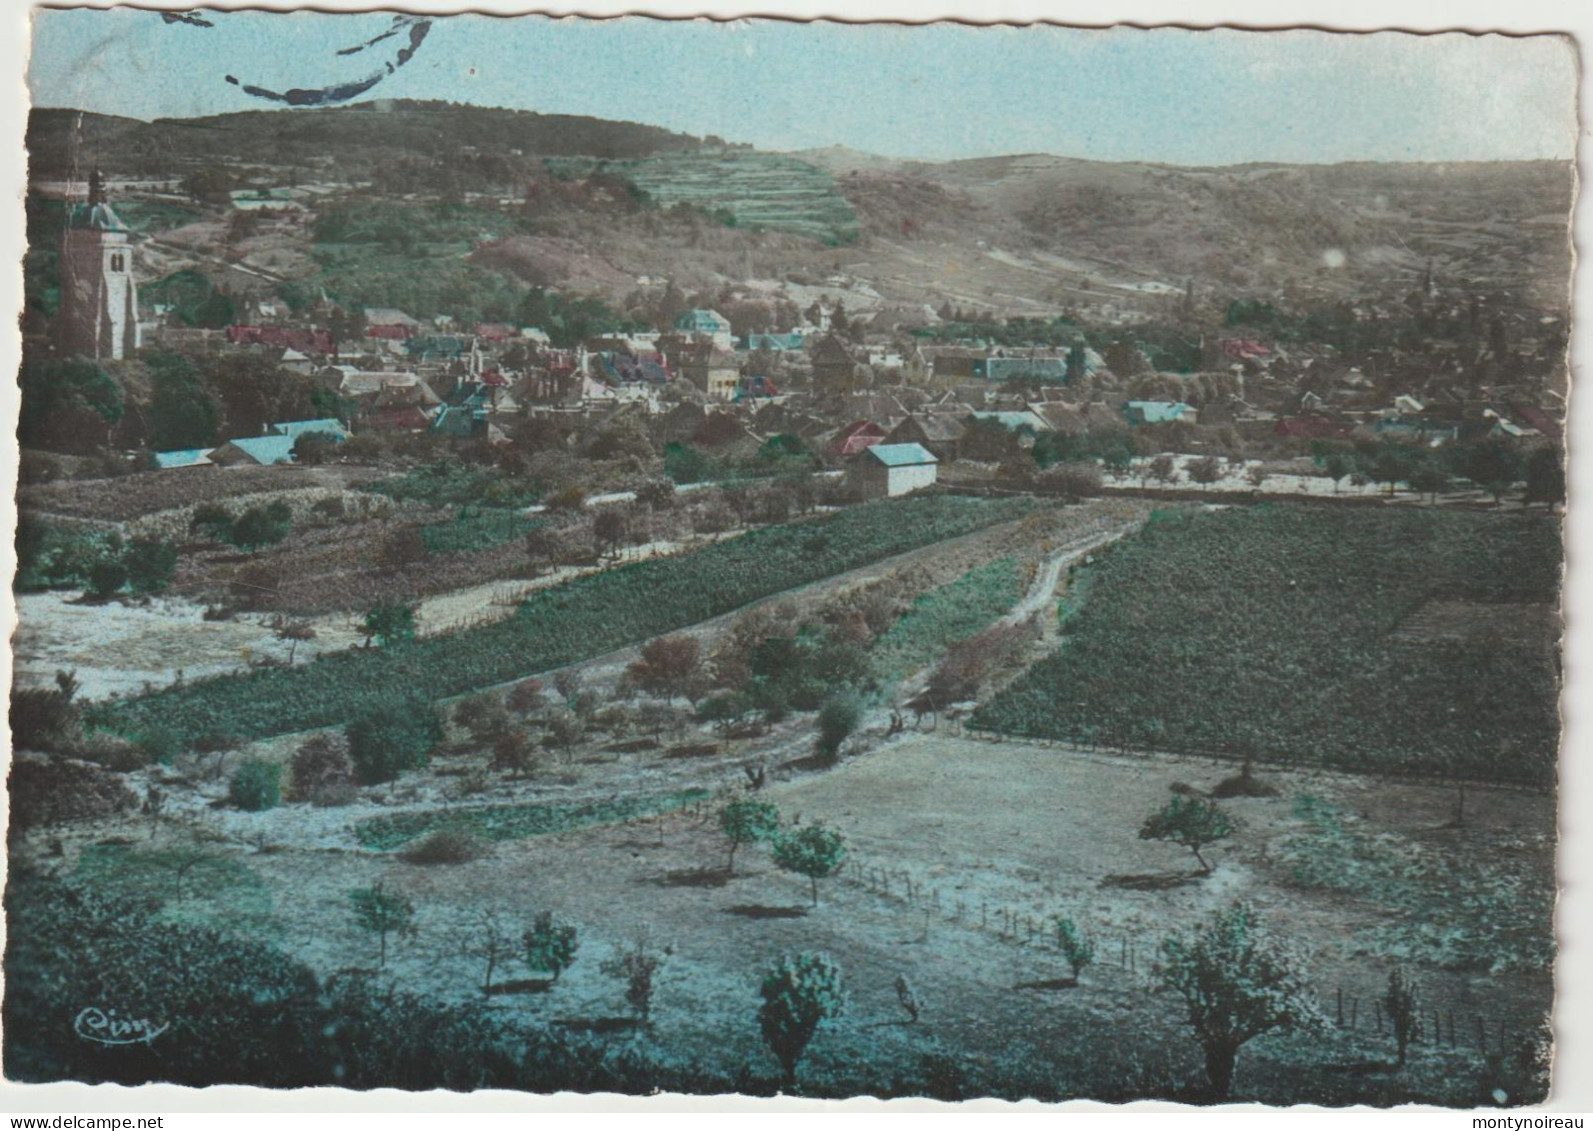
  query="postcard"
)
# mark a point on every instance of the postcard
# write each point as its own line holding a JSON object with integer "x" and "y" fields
{"x": 780, "y": 558}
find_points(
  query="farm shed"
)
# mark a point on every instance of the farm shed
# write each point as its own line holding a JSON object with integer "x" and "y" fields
{"x": 887, "y": 470}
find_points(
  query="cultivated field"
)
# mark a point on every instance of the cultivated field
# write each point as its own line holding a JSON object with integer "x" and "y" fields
{"x": 952, "y": 885}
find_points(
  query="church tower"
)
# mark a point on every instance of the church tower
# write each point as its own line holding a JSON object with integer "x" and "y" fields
{"x": 98, "y": 312}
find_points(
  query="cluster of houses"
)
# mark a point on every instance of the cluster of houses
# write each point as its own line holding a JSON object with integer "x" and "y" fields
{"x": 898, "y": 408}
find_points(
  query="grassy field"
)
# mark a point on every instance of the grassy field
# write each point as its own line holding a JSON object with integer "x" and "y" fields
{"x": 511, "y": 822}
{"x": 1286, "y": 631}
{"x": 945, "y": 614}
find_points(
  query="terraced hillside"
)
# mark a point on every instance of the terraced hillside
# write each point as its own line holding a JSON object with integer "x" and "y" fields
{"x": 769, "y": 191}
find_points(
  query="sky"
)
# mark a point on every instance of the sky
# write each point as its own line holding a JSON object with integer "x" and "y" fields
{"x": 940, "y": 92}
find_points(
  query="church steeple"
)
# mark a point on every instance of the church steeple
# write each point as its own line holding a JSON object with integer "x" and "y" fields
{"x": 97, "y": 315}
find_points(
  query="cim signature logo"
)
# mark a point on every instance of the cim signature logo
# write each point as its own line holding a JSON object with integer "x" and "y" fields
{"x": 103, "y": 1027}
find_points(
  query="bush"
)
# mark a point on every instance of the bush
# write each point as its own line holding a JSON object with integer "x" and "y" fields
{"x": 526, "y": 696}
{"x": 838, "y": 718}
{"x": 335, "y": 795}
{"x": 212, "y": 521}
{"x": 445, "y": 846}
{"x": 386, "y": 742}
{"x": 48, "y": 791}
{"x": 322, "y": 762}
{"x": 44, "y": 717}
{"x": 110, "y": 751}
{"x": 151, "y": 563}
{"x": 256, "y": 785}
{"x": 106, "y": 578}
{"x": 160, "y": 743}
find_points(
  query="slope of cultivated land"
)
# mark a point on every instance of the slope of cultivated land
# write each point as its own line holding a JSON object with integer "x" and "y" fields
{"x": 998, "y": 1016}
{"x": 152, "y": 492}
{"x": 771, "y": 191}
{"x": 560, "y": 625}
{"x": 1278, "y": 630}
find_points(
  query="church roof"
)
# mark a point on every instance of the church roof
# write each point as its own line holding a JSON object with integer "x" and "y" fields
{"x": 99, "y": 217}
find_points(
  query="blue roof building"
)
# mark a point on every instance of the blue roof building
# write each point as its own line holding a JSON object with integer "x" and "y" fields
{"x": 703, "y": 322}
{"x": 1158, "y": 412}
{"x": 261, "y": 450}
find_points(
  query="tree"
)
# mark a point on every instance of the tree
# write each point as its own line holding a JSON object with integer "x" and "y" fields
{"x": 321, "y": 763}
{"x": 512, "y": 753}
{"x": 1428, "y": 479}
{"x": 1164, "y": 469}
{"x": 748, "y": 822}
{"x": 311, "y": 449}
{"x": 1205, "y": 471}
{"x": 1495, "y": 465}
{"x": 656, "y": 493}
{"x": 261, "y": 526}
{"x": 391, "y": 738}
{"x": 638, "y": 964}
{"x": 1190, "y": 822}
{"x": 1077, "y": 950}
{"x": 1403, "y": 1005}
{"x": 67, "y": 405}
{"x": 814, "y": 851}
{"x": 1337, "y": 466}
{"x": 294, "y": 632}
{"x": 799, "y": 993}
{"x": 670, "y": 666}
{"x": 610, "y": 529}
{"x": 1236, "y": 984}
{"x": 487, "y": 940}
{"x": 564, "y": 729}
{"x": 381, "y": 913}
{"x": 1545, "y": 476}
{"x": 550, "y": 945}
{"x": 182, "y": 414}
{"x": 838, "y": 718}
{"x": 389, "y": 623}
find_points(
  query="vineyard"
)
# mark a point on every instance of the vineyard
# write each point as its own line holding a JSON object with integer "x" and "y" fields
{"x": 559, "y": 625}
{"x": 1275, "y": 631}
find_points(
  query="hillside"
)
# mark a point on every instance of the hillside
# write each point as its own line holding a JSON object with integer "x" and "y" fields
{"x": 1031, "y": 234}
{"x": 351, "y": 136}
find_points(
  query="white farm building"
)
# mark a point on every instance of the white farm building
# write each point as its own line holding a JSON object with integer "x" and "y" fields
{"x": 886, "y": 470}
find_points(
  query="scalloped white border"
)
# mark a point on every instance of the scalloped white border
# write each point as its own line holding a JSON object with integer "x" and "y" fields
{"x": 1573, "y": 1092}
